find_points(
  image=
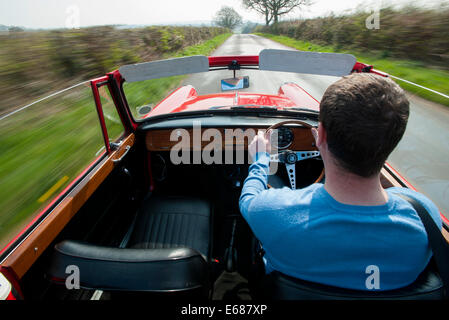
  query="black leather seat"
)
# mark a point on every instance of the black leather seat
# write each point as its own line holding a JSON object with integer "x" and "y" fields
{"x": 278, "y": 286}
{"x": 173, "y": 222}
{"x": 168, "y": 251}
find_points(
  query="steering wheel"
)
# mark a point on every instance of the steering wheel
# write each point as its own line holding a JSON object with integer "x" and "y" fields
{"x": 289, "y": 158}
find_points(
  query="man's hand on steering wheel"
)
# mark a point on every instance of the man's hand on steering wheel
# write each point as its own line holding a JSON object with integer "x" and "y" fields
{"x": 261, "y": 143}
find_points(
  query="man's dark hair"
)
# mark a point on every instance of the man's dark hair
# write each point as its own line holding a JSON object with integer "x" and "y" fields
{"x": 365, "y": 117}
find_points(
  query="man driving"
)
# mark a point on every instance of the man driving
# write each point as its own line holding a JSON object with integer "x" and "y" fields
{"x": 332, "y": 233}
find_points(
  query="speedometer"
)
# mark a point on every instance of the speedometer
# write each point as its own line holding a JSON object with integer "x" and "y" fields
{"x": 284, "y": 139}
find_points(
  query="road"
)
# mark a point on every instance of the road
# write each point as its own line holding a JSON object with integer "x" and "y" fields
{"x": 422, "y": 156}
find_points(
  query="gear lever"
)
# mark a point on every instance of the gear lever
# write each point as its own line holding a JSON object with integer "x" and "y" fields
{"x": 230, "y": 255}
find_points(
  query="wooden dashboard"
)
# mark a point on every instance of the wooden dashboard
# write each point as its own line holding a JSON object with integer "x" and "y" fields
{"x": 219, "y": 139}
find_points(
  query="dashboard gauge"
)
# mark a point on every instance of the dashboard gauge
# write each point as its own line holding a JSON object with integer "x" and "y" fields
{"x": 285, "y": 138}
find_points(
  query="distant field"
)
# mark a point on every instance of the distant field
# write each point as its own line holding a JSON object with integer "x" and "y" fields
{"x": 43, "y": 148}
{"x": 413, "y": 71}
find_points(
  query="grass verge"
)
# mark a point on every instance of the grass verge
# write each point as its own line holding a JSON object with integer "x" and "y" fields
{"x": 413, "y": 71}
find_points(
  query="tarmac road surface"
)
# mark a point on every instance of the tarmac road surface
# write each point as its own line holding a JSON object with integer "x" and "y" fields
{"x": 422, "y": 156}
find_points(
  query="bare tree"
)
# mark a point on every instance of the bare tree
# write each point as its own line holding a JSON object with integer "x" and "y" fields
{"x": 227, "y": 17}
{"x": 273, "y": 9}
{"x": 261, "y": 6}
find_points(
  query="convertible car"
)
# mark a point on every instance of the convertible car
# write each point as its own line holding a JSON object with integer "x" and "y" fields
{"x": 156, "y": 213}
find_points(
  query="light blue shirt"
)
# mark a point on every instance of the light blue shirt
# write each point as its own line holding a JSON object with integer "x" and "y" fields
{"x": 309, "y": 235}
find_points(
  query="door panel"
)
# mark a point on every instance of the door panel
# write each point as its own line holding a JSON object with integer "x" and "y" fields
{"x": 23, "y": 257}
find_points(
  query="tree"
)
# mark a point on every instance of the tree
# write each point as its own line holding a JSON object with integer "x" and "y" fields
{"x": 261, "y": 6}
{"x": 227, "y": 17}
{"x": 273, "y": 9}
{"x": 15, "y": 29}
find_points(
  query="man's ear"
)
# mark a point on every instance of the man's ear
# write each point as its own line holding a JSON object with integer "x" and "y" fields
{"x": 319, "y": 134}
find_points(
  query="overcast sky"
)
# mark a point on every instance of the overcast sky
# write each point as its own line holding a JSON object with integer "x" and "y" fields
{"x": 63, "y": 13}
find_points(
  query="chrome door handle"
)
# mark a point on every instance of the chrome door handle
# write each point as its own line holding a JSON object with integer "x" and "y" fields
{"x": 127, "y": 148}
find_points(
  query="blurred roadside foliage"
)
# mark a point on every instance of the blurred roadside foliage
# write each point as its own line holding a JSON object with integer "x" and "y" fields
{"x": 36, "y": 63}
{"x": 44, "y": 147}
{"x": 414, "y": 33}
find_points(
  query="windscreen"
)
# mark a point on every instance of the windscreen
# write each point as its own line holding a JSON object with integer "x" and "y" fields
{"x": 147, "y": 84}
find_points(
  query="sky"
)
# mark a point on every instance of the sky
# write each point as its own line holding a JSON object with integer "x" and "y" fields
{"x": 73, "y": 13}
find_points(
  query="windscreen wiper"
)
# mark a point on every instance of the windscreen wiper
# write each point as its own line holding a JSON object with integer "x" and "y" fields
{"x": 247, "y": 107}
{"x": 254, "y": 107}
{"x": 303, "y": 109}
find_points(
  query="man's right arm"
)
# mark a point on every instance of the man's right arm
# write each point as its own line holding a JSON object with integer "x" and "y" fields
{"x": 265, "y": 210}
{"x": 262, "y": 208}
{"x": 255, "y": 183}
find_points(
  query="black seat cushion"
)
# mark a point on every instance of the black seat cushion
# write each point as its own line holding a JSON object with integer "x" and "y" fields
{"x": 173, "y": 222}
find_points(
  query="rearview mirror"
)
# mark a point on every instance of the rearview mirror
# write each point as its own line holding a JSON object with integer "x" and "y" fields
{"x": 235, "y": 83}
